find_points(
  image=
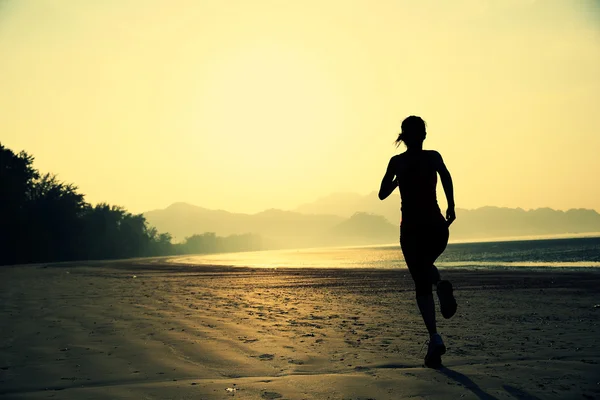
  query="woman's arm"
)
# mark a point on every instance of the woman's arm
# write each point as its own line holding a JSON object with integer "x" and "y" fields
{"x": 448, "y": 188}
{"x": 388, "y": 183}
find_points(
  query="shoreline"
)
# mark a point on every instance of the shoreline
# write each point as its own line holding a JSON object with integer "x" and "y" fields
{"x": 212, "y": 259}
{"x": 166, "y": 263}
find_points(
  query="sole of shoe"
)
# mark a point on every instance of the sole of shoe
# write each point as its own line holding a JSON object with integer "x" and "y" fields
{"x": 445, "y": 294}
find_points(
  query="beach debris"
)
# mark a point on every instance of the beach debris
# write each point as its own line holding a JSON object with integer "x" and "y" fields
{"x": 231, "y": 390}
{"x": 597, "y": 306}
{"x": 134, "y": 276}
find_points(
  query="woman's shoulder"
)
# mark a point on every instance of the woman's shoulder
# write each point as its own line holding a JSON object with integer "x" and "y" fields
{"x": 434, "y": 156}
{"x": 396, "y": 158}
{"x": 432, "y": 153}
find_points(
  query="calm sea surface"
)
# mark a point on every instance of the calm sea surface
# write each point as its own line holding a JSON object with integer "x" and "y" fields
{"x": 546, "y": 253}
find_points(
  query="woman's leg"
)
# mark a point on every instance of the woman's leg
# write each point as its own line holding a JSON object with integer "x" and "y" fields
{"x": 438, "y": 242}
{"x": 421, "y": 247}
{"x": 427, "y": 309}
{"x": 443, "y": 287}
{"x": 412, "y": 244}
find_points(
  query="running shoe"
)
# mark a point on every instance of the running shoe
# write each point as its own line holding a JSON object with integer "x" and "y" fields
{"x": 437, "y": 348}
{"x": 447, "y": 301}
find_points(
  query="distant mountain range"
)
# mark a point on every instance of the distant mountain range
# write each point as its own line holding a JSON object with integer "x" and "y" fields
{"x": 279, "y": 228}
{"x": 484, "y": 222}
{"x": 352, "y": 219}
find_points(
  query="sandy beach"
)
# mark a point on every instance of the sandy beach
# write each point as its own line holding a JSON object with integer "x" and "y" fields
{"x": 147, "y": 330}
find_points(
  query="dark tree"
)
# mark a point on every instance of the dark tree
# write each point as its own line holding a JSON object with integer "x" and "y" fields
{"x": 16, "y": 180}
{"x": 46, "y": 220}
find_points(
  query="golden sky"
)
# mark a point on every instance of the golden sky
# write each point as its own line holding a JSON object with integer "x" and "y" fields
{"x": 252, "y": 104}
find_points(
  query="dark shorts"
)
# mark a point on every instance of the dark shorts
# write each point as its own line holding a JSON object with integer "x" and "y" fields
{"x": 422, "y": 244}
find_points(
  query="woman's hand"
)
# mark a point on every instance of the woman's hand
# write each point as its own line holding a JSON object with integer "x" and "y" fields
{"x": 450, "y": 215}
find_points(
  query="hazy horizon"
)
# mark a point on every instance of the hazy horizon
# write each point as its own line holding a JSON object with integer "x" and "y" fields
{"x": 395, "y": 200}
{"x": 247, "y": 106}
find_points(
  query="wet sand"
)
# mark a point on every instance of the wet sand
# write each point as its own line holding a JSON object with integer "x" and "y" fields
{"x": 94, "y": 331}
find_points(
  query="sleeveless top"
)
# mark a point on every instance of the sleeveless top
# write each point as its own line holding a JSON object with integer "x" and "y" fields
{"x": 417, "y": 179}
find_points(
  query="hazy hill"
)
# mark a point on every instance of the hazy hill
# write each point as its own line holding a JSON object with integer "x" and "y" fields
{"x": 282, "y": 228}
{"x": 279, "y": 228}
{"x": 497, "y": 222}
{"x": 483, "y": 222}
{"x": 362, "y": 220}
{"x": 347, "y": 204}
{"x": 365, "y": 228}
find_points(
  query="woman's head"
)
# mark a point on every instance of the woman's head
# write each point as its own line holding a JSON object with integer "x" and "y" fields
{"x": 413, "y": 132}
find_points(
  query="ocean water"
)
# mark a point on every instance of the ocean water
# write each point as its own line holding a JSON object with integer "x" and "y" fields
{"x": 583, "y": 252}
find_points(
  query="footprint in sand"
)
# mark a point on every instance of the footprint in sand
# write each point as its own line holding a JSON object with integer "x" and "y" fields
{"x": 271, "y": 395}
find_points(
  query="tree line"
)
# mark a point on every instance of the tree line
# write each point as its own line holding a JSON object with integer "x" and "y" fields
{"x": 45, "y": 220}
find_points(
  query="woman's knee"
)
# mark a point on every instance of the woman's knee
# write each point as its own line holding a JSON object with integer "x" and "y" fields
{"x": 434, "y": 275}
{"x": 423, "y": 288}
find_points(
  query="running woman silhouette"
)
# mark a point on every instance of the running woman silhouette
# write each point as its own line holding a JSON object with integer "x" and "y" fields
{"x": 423, "y": 229}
